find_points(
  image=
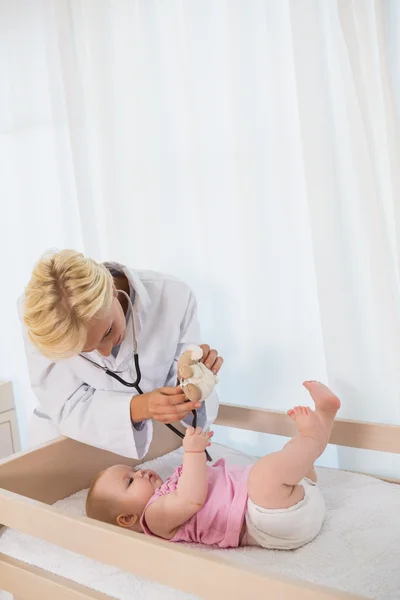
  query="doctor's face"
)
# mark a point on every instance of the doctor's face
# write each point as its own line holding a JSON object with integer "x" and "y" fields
{"x": 107, "y": 330}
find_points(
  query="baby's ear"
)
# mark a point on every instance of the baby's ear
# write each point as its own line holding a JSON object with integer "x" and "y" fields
{"x": 127, "y": 521}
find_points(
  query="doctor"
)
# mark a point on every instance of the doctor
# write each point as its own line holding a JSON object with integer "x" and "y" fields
{"x": 80, "y": 334}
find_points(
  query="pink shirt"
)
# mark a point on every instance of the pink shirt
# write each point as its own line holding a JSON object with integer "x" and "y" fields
{"x": 220, "y": 520}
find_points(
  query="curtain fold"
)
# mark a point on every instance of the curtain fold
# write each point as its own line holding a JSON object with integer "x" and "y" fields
{"x": 250, "y": 148}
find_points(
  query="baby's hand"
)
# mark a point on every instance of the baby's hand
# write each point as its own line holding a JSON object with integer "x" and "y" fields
{"x": 196, "y": 440}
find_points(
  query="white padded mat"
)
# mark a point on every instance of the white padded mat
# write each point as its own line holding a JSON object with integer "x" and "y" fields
{"x": 358, "y": 549}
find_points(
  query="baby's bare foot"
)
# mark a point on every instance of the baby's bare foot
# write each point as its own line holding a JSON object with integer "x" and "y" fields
{"x": 308, "y": 423}
{"x": 324, "y": 399}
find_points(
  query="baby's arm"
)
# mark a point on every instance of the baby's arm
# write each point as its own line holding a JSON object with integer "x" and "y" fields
{"x": 167, "y": 514}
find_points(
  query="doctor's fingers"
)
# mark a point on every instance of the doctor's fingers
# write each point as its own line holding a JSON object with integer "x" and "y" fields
{"x": 169, "y": 414}
{"x": 165, "y": 400}
{"x": 178, "y": 400}
{"x": 206, "y": 351}
{"x": 211, "y": 359}
{"x": 217, "y": 365}
{"x": 171, "y": 391}
{"x": 171, "y": 418}
{"x": 175, "y": 409}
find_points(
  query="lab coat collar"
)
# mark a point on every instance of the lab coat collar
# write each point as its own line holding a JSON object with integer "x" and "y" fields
{"x": 142, "y": 298}
{"x": 141, "y": 303}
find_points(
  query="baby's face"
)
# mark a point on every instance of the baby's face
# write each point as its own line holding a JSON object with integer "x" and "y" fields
{"x": 130, "y": 489}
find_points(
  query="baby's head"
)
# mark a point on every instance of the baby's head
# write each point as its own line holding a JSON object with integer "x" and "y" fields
{"x": 120, "y": 494}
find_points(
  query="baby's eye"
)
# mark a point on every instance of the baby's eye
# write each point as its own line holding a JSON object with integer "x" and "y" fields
{"x": 108, "y": 332}
{"x": 130, "y": 481}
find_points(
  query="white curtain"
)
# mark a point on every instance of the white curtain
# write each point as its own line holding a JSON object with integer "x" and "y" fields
{"x": 248, "y": 147}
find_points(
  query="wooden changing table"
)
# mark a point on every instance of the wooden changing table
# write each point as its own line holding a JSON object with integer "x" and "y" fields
{"x": 30, "y": 482}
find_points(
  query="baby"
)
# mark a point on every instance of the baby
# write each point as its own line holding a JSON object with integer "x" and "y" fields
{"x": 274, "y": 503}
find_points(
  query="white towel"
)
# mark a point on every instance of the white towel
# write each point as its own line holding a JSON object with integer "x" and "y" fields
{"x": 358, "y": 549}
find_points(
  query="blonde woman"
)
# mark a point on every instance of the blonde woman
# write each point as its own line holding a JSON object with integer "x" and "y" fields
{"x": 82, "y": 322}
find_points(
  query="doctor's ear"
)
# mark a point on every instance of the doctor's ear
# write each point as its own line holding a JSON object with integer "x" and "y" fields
{"x": 127, "y": 521}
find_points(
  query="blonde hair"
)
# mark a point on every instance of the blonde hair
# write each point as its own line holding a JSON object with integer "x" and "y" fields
{"x": 100, "y": 507}
{"x": 66, "y": 291}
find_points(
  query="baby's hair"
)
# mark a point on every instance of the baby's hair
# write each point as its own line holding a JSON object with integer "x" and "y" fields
{"x": 100, "y": 507}
{"x": 65, "y": 292}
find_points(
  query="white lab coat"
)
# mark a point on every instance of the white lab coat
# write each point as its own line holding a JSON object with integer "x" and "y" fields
{"x": 79, "y": 401}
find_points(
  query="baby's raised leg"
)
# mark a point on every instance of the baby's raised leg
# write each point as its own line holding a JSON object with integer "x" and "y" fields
{"x": 273, "y": 481}
{"x": 326, "y": 403}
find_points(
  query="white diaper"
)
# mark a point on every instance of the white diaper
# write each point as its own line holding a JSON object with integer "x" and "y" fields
{"x": 287, "y": 528}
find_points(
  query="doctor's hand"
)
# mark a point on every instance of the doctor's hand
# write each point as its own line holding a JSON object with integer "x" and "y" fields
{"x": 211, "y": 359}
{"x": 166, "y": 405}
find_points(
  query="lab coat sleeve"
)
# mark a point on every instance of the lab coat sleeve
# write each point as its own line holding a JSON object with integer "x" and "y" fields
{"x": 95, "y": 417}
{"x": 190, "y": 334}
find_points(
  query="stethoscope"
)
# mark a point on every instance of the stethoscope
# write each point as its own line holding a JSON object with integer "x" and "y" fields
{"x": 136, "y": 384}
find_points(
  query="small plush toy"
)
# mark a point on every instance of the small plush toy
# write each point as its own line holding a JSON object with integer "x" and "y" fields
{"x": 197, "y": 382}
